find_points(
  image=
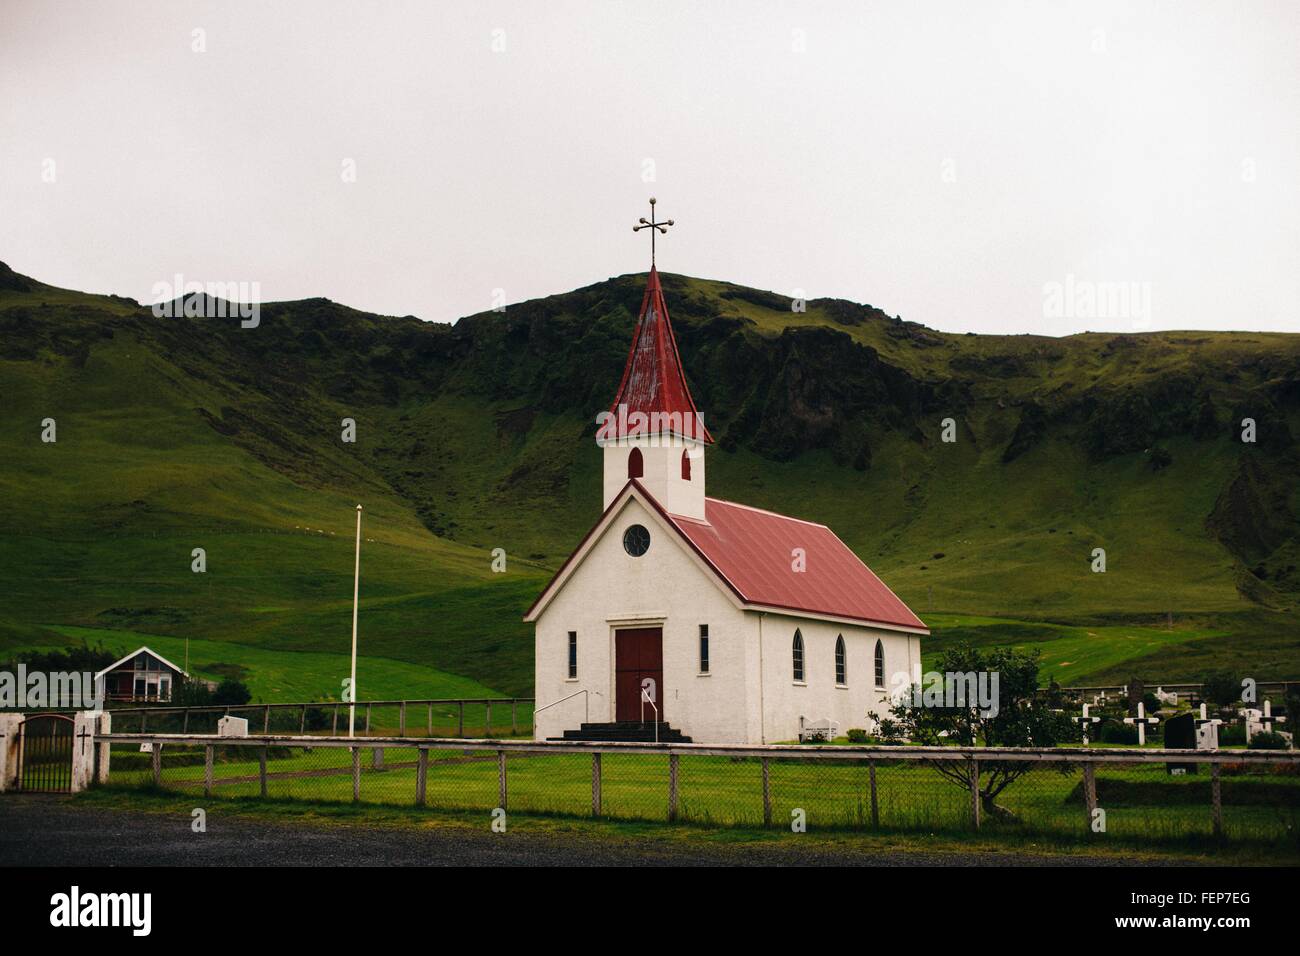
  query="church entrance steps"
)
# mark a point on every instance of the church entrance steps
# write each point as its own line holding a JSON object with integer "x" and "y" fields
{"x": 628, "y": 730}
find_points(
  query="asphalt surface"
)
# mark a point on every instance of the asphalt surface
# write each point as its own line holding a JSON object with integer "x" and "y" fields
{"x": 55, "y": 831}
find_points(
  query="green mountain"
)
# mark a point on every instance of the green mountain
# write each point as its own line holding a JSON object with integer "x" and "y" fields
{"x": 183, "y": 433}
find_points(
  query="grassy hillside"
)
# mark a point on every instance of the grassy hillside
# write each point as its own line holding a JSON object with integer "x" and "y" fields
{"x": 184, "y": 433}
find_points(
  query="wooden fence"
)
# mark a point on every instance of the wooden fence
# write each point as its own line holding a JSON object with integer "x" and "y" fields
{"x": 1284, "y": 765}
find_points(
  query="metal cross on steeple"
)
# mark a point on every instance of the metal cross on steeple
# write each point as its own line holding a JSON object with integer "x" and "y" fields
{"x": 652, "y": 226}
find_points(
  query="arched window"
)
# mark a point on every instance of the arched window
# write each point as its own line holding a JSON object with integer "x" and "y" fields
{"x": 841, "y": 662}
{"x": 635, "y": 466}
{"x": 880, "y": 664}
{"x": 797, "y": 653}
{"x": 686, "y": 464}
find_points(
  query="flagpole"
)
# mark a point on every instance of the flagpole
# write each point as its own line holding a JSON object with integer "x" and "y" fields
{"x": 356, "y": 591}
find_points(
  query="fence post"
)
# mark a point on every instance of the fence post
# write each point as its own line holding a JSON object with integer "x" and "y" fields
{"x": 487, "y": 719}
{"x": 207, "y": 770}
{"x": 266, "y": 720}
{"x": 514, "y": 718}
{"x": 595, "y": 785}
{"x": 501, "y": 777}
{"x": 1089, "y": 792}
{"x": 261, "y": 770}
{"x": 302, "y": 724}
{"x": 460, "y": 719}
{"x": 421, "y": 772}
{"x": 401, "y": 719}
{"x": 975, "y": 791}
{"x": 377, "y": 758}
{"x": 1216, "y": 794}
{"x": 429, "y": 732}
{"x": 335, "y": 730}
{"x": 672, "y": 788}
{"x": 156, "y": 760}
{"x": 767, "y": 792}
{"x": 875, "y": 807}
{"x": 367, "y": 720}
{"x": 356, "y": 774}
{"x": 185, "y": 722}
{"x": 144, "y": 714}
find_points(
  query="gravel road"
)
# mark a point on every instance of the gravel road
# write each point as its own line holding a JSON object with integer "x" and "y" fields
{"x": 55, "y": 831}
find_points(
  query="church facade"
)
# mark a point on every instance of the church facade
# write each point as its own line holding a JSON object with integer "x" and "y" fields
{"x": 721, "y": 622}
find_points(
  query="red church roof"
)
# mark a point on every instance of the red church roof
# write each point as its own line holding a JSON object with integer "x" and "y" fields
{"x": 753, "y": 551}
{"x": 653, "y": 380}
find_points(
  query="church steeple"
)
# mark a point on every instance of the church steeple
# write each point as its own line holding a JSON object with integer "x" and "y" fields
{"x": 653, "y": 432}
{"x": 653, "y": 380}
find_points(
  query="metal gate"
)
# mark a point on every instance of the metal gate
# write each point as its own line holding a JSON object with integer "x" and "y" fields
{"x": 45, "y": 754}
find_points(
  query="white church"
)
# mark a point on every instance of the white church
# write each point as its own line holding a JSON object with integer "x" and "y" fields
{"x": 682, "y": 617}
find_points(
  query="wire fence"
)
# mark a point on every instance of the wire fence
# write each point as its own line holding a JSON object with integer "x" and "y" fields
{"x": 1137, "y": 795}
{"x": 473, "y": 717}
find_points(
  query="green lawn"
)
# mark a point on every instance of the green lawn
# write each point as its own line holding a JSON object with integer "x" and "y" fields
{"x": 1142, "y": 803}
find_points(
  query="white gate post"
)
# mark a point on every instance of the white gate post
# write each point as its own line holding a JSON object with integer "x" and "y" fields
{"x": 9, "y": 749}
{"x": 105, "y": 727}
{"x": 84, "y": 725}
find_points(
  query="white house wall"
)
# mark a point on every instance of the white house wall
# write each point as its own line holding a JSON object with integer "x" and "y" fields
{"x": 664, "y": 587}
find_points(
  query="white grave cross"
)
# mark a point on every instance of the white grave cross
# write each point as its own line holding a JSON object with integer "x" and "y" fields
{"x": 1267, "y": 718}
{"x": 1086, "y": 722}
{"x": 1142, "y": 720}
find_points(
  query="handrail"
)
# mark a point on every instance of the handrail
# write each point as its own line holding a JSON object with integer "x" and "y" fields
{"x": 586, "y": 708}
{"x": 645, "y": 699}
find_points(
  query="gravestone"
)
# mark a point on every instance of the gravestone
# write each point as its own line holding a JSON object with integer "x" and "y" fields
{"x": 1254, "y": 725}
{"x": 1180, "y": 734}
{"x": 232, "y": 727}
{"x": 1136, "y": 694}
{"x": 1207, "y": 731}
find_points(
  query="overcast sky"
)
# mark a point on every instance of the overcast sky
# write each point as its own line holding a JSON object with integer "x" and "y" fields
{"x": 968, "y": 165}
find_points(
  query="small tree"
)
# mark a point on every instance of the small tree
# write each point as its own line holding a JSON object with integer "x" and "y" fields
{"x": 189, "y": 692}
{"x": 1222, "y": 688}
{"x": 1016, "y": 721}
{"x": 231, "y": 691}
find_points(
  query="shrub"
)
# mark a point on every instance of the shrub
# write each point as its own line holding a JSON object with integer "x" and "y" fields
{"x": 231, "y": 691}
{"x": 1117, "y": 733}
{"x": 1231, "y": 734}
{"x": 1268, "y": 740}
{"x": 857, "y": 735}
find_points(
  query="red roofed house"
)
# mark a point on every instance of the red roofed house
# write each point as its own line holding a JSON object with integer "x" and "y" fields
{"x": 727, "y": 624}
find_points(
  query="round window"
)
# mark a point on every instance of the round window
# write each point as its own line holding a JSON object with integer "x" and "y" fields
{"x": 636, "y": 540}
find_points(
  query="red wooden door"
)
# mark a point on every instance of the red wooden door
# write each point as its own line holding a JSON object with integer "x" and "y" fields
{"x": 638, "y": 657}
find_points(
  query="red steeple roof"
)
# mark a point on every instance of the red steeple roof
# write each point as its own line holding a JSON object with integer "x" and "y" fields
{"x": 653, "y": 380}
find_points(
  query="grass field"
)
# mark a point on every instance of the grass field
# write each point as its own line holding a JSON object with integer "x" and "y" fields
{"x": 1143, "y": 804}
{"x": 274, "y": 675}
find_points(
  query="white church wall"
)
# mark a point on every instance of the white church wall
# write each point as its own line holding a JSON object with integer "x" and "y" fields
{"x": 817, "y": 697}
{"x": 662, "y": 474}
{"x": 664, "y": 587}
